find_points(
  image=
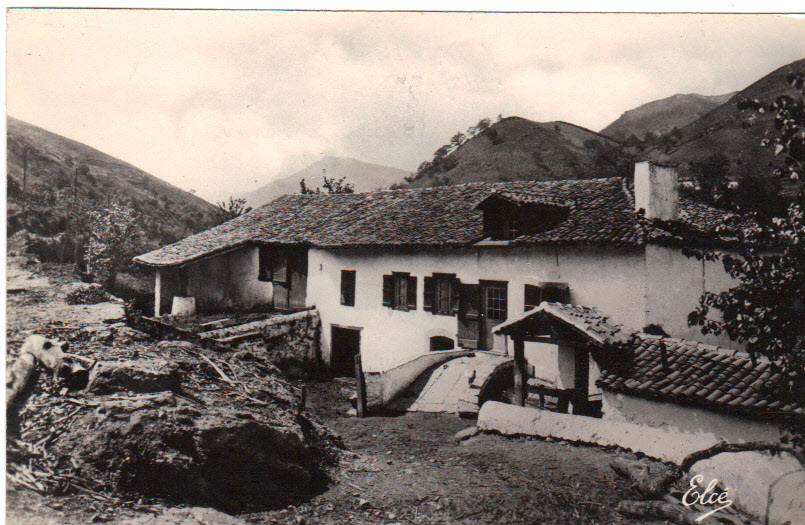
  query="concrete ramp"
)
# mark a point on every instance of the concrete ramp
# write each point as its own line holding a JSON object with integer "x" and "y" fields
{"x": 451, "y": 387}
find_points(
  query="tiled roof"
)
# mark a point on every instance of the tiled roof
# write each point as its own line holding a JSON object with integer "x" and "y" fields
{"x": 602, "y": 213}
{"x": 585, "y": 320}
{"x": 689, "y": 373}
{"x": 699, "y": 375}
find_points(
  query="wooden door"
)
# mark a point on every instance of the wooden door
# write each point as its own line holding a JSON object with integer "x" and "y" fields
{"x": 345, "y": 344}
{"x": 469, "y": 309}
{"x": 494, "y": 310}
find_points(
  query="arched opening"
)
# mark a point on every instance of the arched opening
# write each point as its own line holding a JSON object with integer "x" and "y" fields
{"x": 440, "y": 342}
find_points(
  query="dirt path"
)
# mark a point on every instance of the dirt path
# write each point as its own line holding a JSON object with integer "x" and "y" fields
{"x": 411, "y": 470}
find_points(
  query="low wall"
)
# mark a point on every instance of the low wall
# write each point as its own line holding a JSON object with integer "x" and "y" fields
{"x": 290, "y": 342}
{"x": 688, "y": 420}
{"x": 758, "y": 483}
{"x": 382, "y": 387}
{"x": 514, "y": 420}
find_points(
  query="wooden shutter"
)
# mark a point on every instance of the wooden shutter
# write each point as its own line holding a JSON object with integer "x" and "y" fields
{"x": 279, "y": 264}
{"x": 388, "y": 290}
{"x": 411, "y": 295}
{"x": 531, "y": 297}
{"x": 455, "y": 296}
{"x": 428, "y": 295}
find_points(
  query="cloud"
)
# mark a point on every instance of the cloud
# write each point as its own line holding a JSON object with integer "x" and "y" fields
{"x": 222, "y": 101}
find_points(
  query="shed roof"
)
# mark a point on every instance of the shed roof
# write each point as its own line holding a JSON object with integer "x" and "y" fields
{"x": 669, "y": 369}
{"x": 602, "y": 213}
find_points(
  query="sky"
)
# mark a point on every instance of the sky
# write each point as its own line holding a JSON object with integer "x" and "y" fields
{"x": 221, "y": 102}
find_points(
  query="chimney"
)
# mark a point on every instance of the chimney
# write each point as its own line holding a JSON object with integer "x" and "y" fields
{"x": 656, "y": 190}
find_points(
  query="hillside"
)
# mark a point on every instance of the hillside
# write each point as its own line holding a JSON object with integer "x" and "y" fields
{"x": 515, "y": 148}
{"x": 737, "y": 134}
{"x": 365, "y": 177}
{"x": 662, "y": 116}
{"x": 168, "y": 213}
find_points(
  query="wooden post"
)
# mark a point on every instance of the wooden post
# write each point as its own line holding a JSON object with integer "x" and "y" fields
{"x": 360, "y": 387}
{"x": 581, "y": 381}
{"x": 519, "y": 371}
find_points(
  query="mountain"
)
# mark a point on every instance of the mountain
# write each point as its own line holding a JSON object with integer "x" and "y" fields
{"x": 365, "y": 177}
{"x": 515, "y": 148}
{"x": 662, "y": 116}
{"x": 735, "y": 133}
{"x": 168, "y": 213}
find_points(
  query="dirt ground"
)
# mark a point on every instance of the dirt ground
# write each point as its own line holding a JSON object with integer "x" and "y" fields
{"x": 407, "y": 468}
{"x": 411, "y": 470}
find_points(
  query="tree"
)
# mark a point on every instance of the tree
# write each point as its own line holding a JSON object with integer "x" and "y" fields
{"x": 332, "y": 185}
{"x": 766, "y": 309}
{"x": 711, "y": 174}
{"x": 458, "y": 139}
{"x": 115, "y": 236}
{"x": 234, "y": 208}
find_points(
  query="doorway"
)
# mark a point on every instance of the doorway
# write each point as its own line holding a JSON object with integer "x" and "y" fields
{"x": 494, "y": 310}
{"x": 345, "y": 344}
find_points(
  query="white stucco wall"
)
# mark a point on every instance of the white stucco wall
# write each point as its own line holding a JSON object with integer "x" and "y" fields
{"x": 229, "y": 282}
{"x": 674, "y": 284}
{"x": 689, "y": 420}
{"x": 611, "y": 279}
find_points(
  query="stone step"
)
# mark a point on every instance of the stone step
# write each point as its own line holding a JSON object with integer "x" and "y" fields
{"x": 239, "y": 338}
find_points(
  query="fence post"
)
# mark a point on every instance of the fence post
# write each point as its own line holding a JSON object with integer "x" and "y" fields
{"x": 360, "y": 387}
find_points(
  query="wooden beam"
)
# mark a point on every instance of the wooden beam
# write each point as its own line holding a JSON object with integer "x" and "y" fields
{"x": 519, "y": 372}
{"x": 360, "y": 387}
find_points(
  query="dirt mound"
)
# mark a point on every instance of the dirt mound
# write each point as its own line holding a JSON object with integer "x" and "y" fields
{"x": 164, "y": 445}
{"x": 84, "y": 293}
{"x": 176, "y": 422}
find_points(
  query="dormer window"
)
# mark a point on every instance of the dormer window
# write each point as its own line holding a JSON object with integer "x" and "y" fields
{"x": 509, "y": 215}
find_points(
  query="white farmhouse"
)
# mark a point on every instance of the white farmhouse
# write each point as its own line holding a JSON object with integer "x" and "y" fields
{"x": 398, "y": 274}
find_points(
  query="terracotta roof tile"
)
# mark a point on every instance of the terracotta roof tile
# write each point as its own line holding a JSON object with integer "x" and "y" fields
{"x": 601, "y": 211}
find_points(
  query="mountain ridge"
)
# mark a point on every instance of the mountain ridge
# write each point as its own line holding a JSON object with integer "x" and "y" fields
{"x": 364, "y": 176}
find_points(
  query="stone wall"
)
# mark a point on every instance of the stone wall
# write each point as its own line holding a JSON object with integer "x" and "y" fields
{"x": 290, "y": 342}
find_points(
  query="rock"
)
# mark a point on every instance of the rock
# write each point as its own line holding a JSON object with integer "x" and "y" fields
{"x": 127, "y": 333}
{"x": 749, "y": 475}
{"x": 186, "y": 516}
{"x": 141, "y": 376}
{"x": 363, "y": 504}
{"x": 176, "y": 345}
{"x": 353, "y": 412}
{"x": 787, "y": 504}
{"x": 84, "y": 293}
{"x": 467, "y": 433}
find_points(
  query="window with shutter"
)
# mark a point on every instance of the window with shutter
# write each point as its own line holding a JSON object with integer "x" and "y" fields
{"x": 442, "y": 294}
{"x": 348, "y": 287}
{"x": 399, "y": 291}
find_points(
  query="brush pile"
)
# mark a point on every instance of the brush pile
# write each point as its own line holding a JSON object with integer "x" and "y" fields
{"x": 169, "y": 421}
